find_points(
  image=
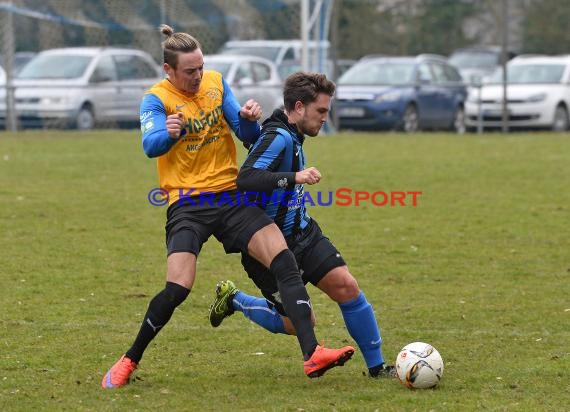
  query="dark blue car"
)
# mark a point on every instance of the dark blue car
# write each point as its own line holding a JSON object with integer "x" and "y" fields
{"x": 401, "y": 93}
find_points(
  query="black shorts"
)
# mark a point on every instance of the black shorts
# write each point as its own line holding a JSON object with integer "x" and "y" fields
{"x": 188, "y": 226}
{"x": 315, "y": 254}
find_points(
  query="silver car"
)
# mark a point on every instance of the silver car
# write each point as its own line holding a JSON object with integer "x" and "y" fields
{"x": 250, "y": 77}
{"x": 81, "y": 87}
{"x": 277, "y": 51}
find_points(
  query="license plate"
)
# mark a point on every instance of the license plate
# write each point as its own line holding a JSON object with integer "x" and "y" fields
{"x": 493, "y": 113}
{"x": 351, "y": 112}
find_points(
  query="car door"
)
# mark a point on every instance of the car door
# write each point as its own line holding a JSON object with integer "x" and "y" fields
{"x": 103, "y": 87}
{"x": 448, "y": 94}
{"x": 457, "y": 89}
{"x": 443, "y": 107}
{"x": 253, "y": 80}
{"x": 136, "y": 75}
{"x": 426, "y": 95}
{"x": 268, "y": 87}
{"x": 242, "y": 83}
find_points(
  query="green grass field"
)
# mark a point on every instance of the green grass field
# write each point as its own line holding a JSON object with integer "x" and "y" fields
{"x": 480, "y": 268}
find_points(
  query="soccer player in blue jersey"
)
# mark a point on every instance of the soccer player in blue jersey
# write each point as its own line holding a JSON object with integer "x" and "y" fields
{"x": 275, "y": 173}
{"x": 186, "y": 123}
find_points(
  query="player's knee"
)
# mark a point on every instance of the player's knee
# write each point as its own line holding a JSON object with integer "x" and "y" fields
{"x": 284, "y": 267}
{"x": 351, "y": 288}
{"x": 266, "y": 244}
{"x": 340, "y": 285}
{"x": 175, "y": 293}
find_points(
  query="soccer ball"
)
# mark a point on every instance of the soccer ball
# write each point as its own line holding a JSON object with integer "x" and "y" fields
{"x": 419, "y": 366}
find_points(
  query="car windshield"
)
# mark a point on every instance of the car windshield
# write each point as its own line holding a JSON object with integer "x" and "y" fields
{"x": 267, "y": 52}
{"x": 55, "y": 66}
{"x": 465, "y": 60}
{"x": 222, "y": 67}
{"x": 530, "y": 73}
{"x": 378, "y": 73}
{"x": 287, "y": 68}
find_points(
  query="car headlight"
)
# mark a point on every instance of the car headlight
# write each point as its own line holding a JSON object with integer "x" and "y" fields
{"x": 536, "y": 97}
{"x": 389, "y": 97}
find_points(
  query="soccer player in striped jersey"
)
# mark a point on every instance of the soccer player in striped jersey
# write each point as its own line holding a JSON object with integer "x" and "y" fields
{"x": 274, "y": 173}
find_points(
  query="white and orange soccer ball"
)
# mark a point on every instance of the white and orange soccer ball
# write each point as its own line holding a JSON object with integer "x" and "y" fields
{"x": 419, "y": 366}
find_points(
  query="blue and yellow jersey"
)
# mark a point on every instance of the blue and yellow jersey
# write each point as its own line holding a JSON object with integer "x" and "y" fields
{"x": 203, "y": 158}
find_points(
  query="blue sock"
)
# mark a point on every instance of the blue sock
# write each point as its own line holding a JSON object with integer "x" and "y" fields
{"x": 361, "y": 323}
{"x": 257, "y": 310}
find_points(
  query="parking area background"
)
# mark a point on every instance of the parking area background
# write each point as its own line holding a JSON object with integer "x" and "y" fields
{"x": 354, "y": 28}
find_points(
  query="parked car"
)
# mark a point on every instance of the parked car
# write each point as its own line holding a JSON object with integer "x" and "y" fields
{"x": 406, "y": 93}
{"x": 81, "y": 87}
{"x": 250, "y": 77}
{"x": 538, "y": 95}
{"x": 288, "y": 67}
{"x": 276, "y": 50}
{"x": 478, "y": 62}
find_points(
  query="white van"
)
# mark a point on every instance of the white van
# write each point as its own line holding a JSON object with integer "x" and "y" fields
{"x": 278, "y": 50}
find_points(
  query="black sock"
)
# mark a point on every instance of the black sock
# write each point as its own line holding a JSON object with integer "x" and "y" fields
{"x": 295, "y": 299}
{"x": 159, "y": 312}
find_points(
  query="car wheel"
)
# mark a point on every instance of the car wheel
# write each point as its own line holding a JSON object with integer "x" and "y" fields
{"x": 459, "y": 121}
{"x": 85, "y": 120}
{"x": 411, "y": 119}
{"x": 560, "y": 123}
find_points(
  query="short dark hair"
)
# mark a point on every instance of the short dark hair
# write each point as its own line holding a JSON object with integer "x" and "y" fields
{"x": 176, "y": 42}
{"x": 305, "y": 87}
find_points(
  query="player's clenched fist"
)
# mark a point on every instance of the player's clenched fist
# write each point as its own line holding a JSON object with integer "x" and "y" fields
{"x": 309, "y": 176}
{"x": 175, "y": 125}
{"x": 251, "y": 110}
